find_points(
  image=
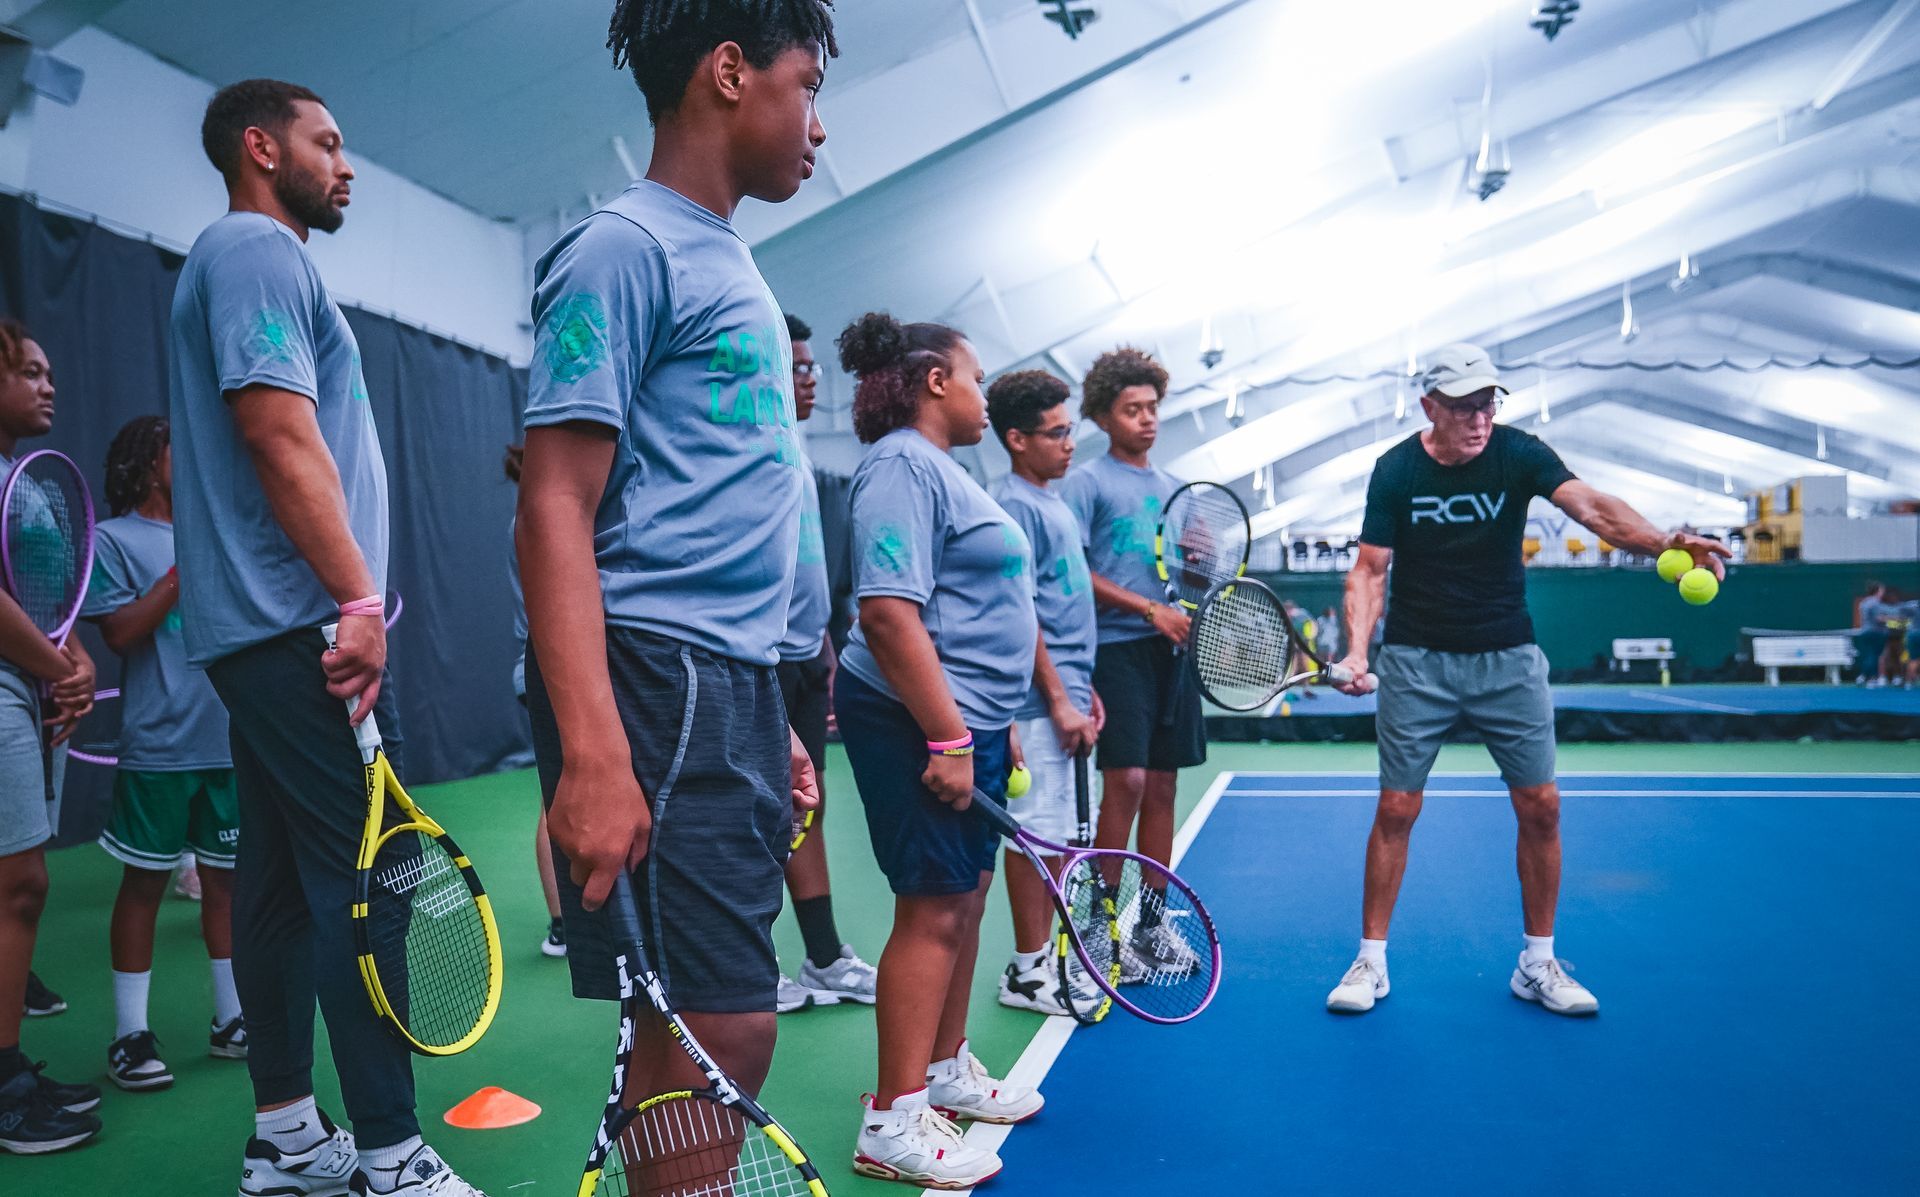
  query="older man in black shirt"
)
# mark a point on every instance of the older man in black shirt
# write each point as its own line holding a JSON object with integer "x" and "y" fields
{"x": 1448, "y": 508}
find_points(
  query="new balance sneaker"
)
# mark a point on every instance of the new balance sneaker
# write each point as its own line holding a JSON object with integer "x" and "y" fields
{"x": 961, "y": 1088}
{"x": 1549, "y": 984}
{"x": 229, "y": 1041}
{"x": 1364, "y": 984}
{"x": 423, "y": 1174}
{"x": 1036, "y": 989}
{"x": 134, "y": 1063}
{"x": 41, "y": 1001}
{"x": 848, "y": 979}
{"x": 555, "y": 944}
{"x": 913, "y": 1143}
{"x": 321, "y": 1170}
{"x": 791, "y": 996}
{"x": 74, "y": 1099}
{"x": 30, "y": 1124}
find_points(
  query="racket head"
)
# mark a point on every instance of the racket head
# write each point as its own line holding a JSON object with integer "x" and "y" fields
{"x": 1163, "y": 962}
{"x": 1203, "y": 539}
{"x": 1242, "y": 645}
{"x": 695, "y": 1142}
{"x": 46, "y": 540}
{"x": 424, "y": 928}
{"x": 97, "y": 740}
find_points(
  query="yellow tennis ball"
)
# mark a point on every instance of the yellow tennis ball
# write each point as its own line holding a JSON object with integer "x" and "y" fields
{"x": 1699, "y": 586}
{"x": 1019, "y": 782}
{"x": 1672, "y": 564}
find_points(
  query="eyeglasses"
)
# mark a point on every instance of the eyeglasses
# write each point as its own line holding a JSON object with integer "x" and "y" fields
{"x": 808, "y": 369}
{"x": 1467, "y": 411}
{"x": 1056, "y": 435}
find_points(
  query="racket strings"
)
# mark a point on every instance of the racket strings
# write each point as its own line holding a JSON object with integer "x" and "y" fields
{"x": 1205, "y": 540}
{"x": 695, "y": 1146}
{"x": 1168, "y": 952}
{"x": 43, "y": 544}
{"x": 428, "y": 938}
{"x": 1243, "y": 645}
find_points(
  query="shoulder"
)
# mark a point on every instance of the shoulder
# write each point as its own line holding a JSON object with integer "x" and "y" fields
{"x": 1399, "y": 458}
{"x": 247, "y": 236}
{"x": 605, "y": 244}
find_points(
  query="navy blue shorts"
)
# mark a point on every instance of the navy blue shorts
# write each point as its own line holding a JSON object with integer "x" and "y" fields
{"x": 925, "y": 847}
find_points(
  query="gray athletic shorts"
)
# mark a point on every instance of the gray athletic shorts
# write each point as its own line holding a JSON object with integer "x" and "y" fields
{"x": 1502, "y": 696}
{"x": 27, "y": 819}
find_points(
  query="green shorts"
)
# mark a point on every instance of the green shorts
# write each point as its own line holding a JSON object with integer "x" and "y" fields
{"x": 158, "y": 818}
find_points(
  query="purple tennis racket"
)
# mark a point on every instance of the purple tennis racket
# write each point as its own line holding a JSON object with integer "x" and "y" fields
{"x": 46, "y": 555}
{"x": 1141, "y": 933}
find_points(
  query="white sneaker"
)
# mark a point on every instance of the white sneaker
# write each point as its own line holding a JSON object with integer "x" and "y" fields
{"x": 848, "y": 979}
{"x": 1159, "y": 949}
{"x": 913, "y": 1143}
{"x": 1549, "y": 984}
{"x": 1036, "y": 989}
{"x": 962, "y": 1088}
{"x": 1364, "y": 984}
{"x": 322, "y": 1170}
{"x": 555, "y": 944}
{"x": 791, "y": 996}
{"x": 424, "y": 1174}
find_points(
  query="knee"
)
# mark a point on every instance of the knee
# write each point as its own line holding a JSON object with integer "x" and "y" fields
{"x": 1397, "y": 811}
{"x": 23, "y": 894}
{"x": 1538, "y": 808}
{"x": 146, "y": 886}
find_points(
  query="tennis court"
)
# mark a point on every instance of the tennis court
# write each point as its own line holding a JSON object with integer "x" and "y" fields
{"x": 1788, "y": 1079}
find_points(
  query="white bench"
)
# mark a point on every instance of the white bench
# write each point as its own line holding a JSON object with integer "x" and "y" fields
{"x": 1649, "y": 648}
{"x": 1772, "y": 653}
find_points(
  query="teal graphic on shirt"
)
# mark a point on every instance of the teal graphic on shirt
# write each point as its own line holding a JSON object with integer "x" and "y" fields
{"x": 1119, "y": 507}
{"x": 890, "y": 549}
{"x": 813, "y": 545}
{"x": 755, "y": 389}
{"x": 359, "y": 389}
{"x": 272, "y": 338}
{"x": 1014, "y": 542}
{"x": 576, "y": 337}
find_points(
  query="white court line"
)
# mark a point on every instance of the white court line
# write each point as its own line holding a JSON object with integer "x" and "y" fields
{"x": 1688, "y": 793}
{"x": 1045, "y": 1046}
{"x": 1692, "y": 703}
{"x": 1583, "y": 773}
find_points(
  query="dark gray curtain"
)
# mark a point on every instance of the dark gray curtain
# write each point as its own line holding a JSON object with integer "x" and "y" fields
{"x": 98, "y": 303}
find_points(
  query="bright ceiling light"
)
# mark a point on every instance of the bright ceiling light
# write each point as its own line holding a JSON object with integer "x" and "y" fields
{"x": 1657, "y": 153}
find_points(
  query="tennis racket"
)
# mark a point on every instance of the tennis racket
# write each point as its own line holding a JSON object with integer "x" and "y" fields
{"x": 46, "y": 557}
{"x": 97, "y": 742}
{"x": 422, "y": 924}
{"x": 686, "y": 1142}
{"x": 1141, "y": 933}
{"x": 1202, "y": 540}
{"x": 1086, "y": 1002}
{"x": 1244, "y": 648}
{"x": 802, "y": 824}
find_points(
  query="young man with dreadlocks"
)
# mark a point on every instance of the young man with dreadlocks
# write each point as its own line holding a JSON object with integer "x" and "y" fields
{"x": 173, "y": 794}
{"x": 659, "y": 525}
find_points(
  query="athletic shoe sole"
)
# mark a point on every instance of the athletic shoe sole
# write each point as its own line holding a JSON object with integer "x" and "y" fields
{"x": 1015, "y": 1001}
{"x": 1526, "y": 994}
{"x": 954, "y": 1114}
{"x": 141, "y": 1084}
{"x": 833, "y": 997}
{"x": 47, "y": 1011}
{"x": 867, "y": 1166}
{"x": 46, "y": 1145}
{"x": 553, "y": 951}
{"x": 219, "y": 1052}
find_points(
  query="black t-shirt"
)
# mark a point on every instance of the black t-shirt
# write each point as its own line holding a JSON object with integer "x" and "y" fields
{"x": 1459, "y": 581}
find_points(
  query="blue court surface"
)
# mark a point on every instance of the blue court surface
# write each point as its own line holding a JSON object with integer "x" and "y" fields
{"x": 1677, "y": 700}
{"x": 1749, "y": 937}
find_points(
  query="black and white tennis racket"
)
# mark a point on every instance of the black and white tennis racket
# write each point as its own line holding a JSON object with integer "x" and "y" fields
{"x": 1203, "y": 540}
{"x": 1089, "y": 911}
{"x": 46, "y": 557}
{"x": 715, "y": 1140}
{"x": 1244, "y": 648}
{"x": 1142, "y": 934}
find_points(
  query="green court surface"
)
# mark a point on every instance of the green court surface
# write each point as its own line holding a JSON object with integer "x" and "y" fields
{"x": 554, "y": 1050}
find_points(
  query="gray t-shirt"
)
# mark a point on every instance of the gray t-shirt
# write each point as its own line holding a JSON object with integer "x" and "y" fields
{"x": 924, "y": 530}
{"x": 170, "y": 718}
{"x": 1118, "y": 507}
{"x": 1062, "y": 589}
{"x": 250, "y": 309}
{"x": 807, "y": 615}
{"x": 651, "y": 318}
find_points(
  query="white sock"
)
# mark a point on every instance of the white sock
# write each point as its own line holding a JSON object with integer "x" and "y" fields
{"x": 226, "y": 999}
{"x": 130, "y": 1002}
{"x": 1028, "y": 961}
{"x": 388, "y": 1160}
{"x": 291, "y": 1128}
{"x": 1539, "y": 949}
{"x": 1374, "y": 950}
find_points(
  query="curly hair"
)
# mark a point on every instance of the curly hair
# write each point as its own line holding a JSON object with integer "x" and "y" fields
{"x": 133, "y": 461}
{"x": 663, "y": 41}
{"x": 249, "y": 104}
{"x": 1015, "y": 402}
{"x": 13, "y": 345}
{"x": 798, "y": 330}
{"x": 1116, "y": 370}
{"x": 891, "y": 360}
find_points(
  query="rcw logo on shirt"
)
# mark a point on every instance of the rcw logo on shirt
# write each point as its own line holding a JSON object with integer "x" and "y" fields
{"x": 1458, "y": 509}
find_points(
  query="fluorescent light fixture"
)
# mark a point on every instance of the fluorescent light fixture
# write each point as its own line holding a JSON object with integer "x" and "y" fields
{"x": 1657, "y": 153}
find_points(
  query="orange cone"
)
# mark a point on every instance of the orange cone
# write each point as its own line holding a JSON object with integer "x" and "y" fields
{"x": 491, "y": 1109}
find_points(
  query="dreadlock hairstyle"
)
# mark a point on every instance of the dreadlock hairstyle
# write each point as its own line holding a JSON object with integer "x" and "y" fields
{"x": 1115, "y": 371}
{"x": 13, "y": 345}
{"x": 134, "y": 459}
{"x": 1015, "y": 402}
{"x": 662, "y": 41}
{"x": 891, "y": 360}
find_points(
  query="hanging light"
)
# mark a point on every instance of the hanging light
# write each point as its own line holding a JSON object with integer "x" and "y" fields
{"x": 1212, "y": 350}
{"x": 1684, "y": 276}
{"x": 1546, "y": 410}
{"x": 1820, "y": 441}
{"x": 1628, "y": 329}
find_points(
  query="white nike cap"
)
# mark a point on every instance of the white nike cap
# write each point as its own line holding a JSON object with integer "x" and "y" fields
{"x": 1459, "y": 370}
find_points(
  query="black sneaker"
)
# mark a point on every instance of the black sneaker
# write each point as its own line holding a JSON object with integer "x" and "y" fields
{"x": 134, "y": 1063}
{"x": 41, "y": 1001}
{"x": 556, "y": 942}
{"x": 32, "y": 1125}
{"x": 74, "y": 1099}
{"x": 228, "y": 1042}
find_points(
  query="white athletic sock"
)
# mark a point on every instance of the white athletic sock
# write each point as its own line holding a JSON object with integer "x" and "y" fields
{"x": 1374, "y": 950}
{"x": 1027, "y": 961}
{"x": 226, "y": 999}
{"x": 291, "y": 1128}
{"x": 383, "y": 1164}
{"x": 130, "y": 1002}
{"x": 1539, "y": 949}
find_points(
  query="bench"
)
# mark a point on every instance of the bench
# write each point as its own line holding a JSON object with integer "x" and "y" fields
{"x": 1829, "y": 652}
{"x": 1650, "y": 648}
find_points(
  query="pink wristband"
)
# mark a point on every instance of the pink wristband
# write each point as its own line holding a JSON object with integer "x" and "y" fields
{"x": 372, "y": 605}
{"x": 960, "y": 747}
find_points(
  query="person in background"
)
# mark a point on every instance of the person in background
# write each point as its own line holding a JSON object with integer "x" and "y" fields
{"x": 555, "y": 943}
{"x": 1871, "y": 616}
{"x": 1330, "y": 640}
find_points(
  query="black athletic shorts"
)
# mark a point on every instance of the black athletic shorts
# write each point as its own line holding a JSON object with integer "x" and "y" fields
{"x": 710, "y": 749}
{"x": 1135, "y": 679}
{"x": 803, "y": 687}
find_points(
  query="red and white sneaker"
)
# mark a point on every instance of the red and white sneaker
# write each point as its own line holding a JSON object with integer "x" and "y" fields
{"x": 962, "y": 1088}
{"x": 912, "y": 1143}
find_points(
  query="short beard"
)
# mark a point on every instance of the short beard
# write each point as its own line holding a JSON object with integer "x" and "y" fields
{"x": 306, "y": 199}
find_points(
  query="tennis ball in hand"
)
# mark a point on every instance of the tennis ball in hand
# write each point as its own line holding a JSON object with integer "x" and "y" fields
{"x": 1699, "y": 586}
{"x": 1019, "y": 782}
{"x": 1672, "y": 564}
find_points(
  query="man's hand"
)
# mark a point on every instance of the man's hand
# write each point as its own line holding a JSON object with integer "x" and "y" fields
{"x": 73, "y": 694}
{"x": 601, "y": 820}
{"x": 1707, "y": 552}
{"x": 1076, "y": 732}
{"x": 806, "y": 786}
{"x": 951, "y": 779}
{"x": 1356, "y": 664}
{"x": 1099, "y": 714}
{"x": 354, "y": 662}
{"x": 1171, "y": 622}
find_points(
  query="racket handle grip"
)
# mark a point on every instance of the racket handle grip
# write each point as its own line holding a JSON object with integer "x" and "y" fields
{"x": 366, "y": 736}
{"x": 1339, "y": 675}
{"x": 995, "y": 814}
